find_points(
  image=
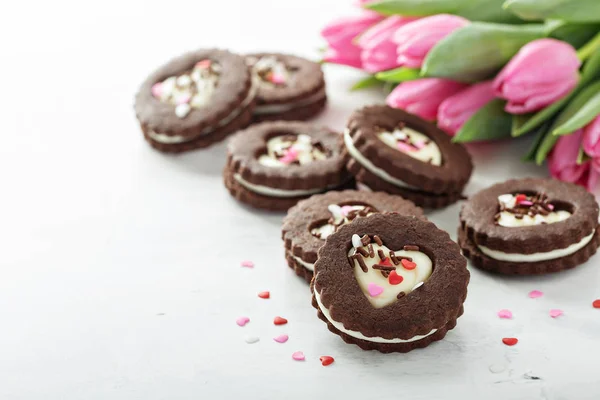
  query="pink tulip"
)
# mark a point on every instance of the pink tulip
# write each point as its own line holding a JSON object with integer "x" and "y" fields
{"x": 423, "y": 96}
{"x": 591, "y": 139}
{"x": 457, "y": 109}
{"x": 341, "y": 34}
{"x": 414, "y": 40}
{"x": 379, "y": 51}
{"x": 562, "y": 162}
{"x": 543, "y": 71}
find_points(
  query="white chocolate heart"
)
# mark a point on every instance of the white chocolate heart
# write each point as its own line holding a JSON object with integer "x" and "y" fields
{"x": 340, "y": 215}
{"x": 291, "y": 149}
{"x": 414, "y": 144}
{"x": 527, "y": 211}
{"x": 374, "y": 283}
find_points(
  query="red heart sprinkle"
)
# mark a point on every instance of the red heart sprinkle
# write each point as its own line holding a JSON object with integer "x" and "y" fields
{"x": 520, "y": 197}
{"x": 596, "y": 303}
{"x": 510, "y": 341}
{"x": 387, "y": 262}
{"x": 326, "y": 360}
{"x": 409, "y": 265}
{"x": 264, "y": 295}
{"x": 395, "y": 279}
{"x": 280, "y": 321}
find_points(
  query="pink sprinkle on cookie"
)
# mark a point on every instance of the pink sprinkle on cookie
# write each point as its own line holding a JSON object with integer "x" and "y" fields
{"x": 298, "y": 356}
{"x": 505, "y": 314}
{"x": 241, "y": 321}
{"x": 374, "y": 290}
{"x": 281, "y": 338}
{"x": 534, "y": 294}
{"x": 290, "y": 156}
{"x": 555, "y": 313}
{"x": 247, "y": 264}
{"x": 405, "y": 147}
{"x": 203, "y": 64}
{"x": 420, "y": 144}
{"x": 346, "y": 210}
{"x": 184, "y": 99}
{"x": 277, "y": 79}
{"x": 525, "y": 203}
{"x": 157, "y": 90}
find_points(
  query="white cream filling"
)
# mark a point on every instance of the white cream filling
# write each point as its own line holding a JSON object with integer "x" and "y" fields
{"x": 274, "y": 192}
{"x": 166, "y": 139}
{"x": 510, "y": 220}
{"x": 535, "y": 257}
{"x": 308, "y": 266}
{"x": 365, "y": 162}
{"x": 281, "y": 108}
{"x": 359, "y": 335}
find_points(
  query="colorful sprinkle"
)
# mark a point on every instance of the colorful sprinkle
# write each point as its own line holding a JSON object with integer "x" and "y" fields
{"x": 264, "y": 295}
{"x": 241, "y": 321}
{"x": 510, "y": 341}
{"x": 505, "y": 314}
{"x": 407, "y": 148}
{"x": 298, "y": 356}
{"x": 555, "y": 313}
{"x": 290, "y": 156}
{"x": 394, "y": 278}
{"x": 420, "y": 144}
{"x": 280, "y": 321}
{"x": 520, "y": 197}
{"x": 550, "y": 206}
{"x": 346, "y": 210}
{"x": 326, "y": 360}
{"x": 157, "y": 89}
{"x": 356, "y": 242}
{"x": 182, "y": 110}
{"x": 247, "y": 264}
{"x": 409, "y": 265}
{"x": 534, "y": 294}
{"x": 281, "y": 338}
{"x": 276, "y": 78}
{"x": 203, "y": 64}
{"x": 251, "y": 339}
{"x": 525, "y": 203}
{"x": 184, "y": 99}
{"x": 374, "y": 290}
{"x": 386, "y": 262}
{"x": 596, "y": 303}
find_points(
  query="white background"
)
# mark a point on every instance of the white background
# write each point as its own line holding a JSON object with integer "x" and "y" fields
{"x": 120, "y": 265}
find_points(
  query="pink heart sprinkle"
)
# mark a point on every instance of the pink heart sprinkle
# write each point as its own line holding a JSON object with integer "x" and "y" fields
{"x": 525, "y": 203}
{"x": 420, "y": 144}
{"x": 281, "y": 338}
{"x": 534, "y": 294}
{"x": 277, "y": 78}
{"x": 506, "y": 314}
{"x": 406, "y": 148}
{"x": 247, "y": 264}
{"x": 550, "y": 207}
{"x": 203, "y": 64}
{"x": 298, "y": 356}
{"x": 157, "y": 89}
{"x": 346, "y": 210}
{"x": 290, "y": 156}
{"x": 555, "y": 313}
{"x": 241, "y": 321}
{"x": 374, "y": 290}
{"x": 184, "y": 99}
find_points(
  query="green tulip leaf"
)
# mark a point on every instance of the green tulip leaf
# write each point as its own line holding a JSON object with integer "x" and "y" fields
{"x": 540, "y": 134}
{"x": 478, "y": 50}
{"x": 491, "y": 122}
{"x": 582, "y": 157}
{"x": 399, "y": 75}
{"x": 585, "y": 115}
{"x": 569, "y": 111}
{"x": 567, "y": 10}
{"x": 488, "y": 11}
{"x": 545, "y": 114}
{"x": 518, "y": 120}
{"x": 591, "y": 68}
{"x": 575, "y": 34}
{"x": 417, "y": 8}
{"x": 365, "y": 83}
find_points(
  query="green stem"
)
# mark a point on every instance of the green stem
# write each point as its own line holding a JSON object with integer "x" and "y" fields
{"x": 589, "y": 48}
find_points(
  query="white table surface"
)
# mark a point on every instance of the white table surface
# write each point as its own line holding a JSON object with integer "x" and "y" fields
{"x": 121, "y": 276}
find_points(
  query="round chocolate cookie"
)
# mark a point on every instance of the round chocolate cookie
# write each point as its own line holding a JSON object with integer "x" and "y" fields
{"x": 289, "y": 87}
{"x": 390, "y": 282}
{"x": 529, "y": 226}
{"x": 273, "y": 165}
{"x": 397, "y": 152}
{"x": 196, "y": 100}
{"x": 311, "y": 221}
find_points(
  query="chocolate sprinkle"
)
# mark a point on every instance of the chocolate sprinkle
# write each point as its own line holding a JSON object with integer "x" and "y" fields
{"x": 400, "y": 295}
{"x": 377, "y": 240}
{"x": 405, "y": 258}
{"x": 371, "y": 251}
{"x": 394, "y": 258}
{"x": 361, "y": 262}
{"x": 363, "y": 251}
{"x": 365, "y": 240}
{"x": 383, "y": 267}
{"x": 381, "y": 254}
{"x": 411, "y": 248}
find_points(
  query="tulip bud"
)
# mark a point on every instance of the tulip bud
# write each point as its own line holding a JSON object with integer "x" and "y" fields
{"x": 423, "y": 96}
{"x": 591, "y": 139}
{"x": 562, "y": 162}
{"x": 541, "y": 73}
{"x": 457, "y": 109}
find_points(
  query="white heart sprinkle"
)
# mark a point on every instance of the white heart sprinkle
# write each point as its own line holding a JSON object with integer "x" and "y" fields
{"x": 251, "y": 339}
{"x": 356, "y": 242}
{"x": 182, "y": 110}
{"x": 418, "y": 285}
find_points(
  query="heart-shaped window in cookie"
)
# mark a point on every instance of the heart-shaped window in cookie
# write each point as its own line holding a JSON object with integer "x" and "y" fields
{"x": 341, "y": 214}
{"x": 385, "y": 276}
{"x": 271, "y": 71}
{"x": 412, "y": 143}
{"x": 291, "y": 149}
{"x": 191, "y": 89}
{"x": 529, "y": 209}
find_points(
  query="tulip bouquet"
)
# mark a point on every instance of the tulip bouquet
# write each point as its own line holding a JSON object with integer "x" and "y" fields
{"x": 486, "y": 70}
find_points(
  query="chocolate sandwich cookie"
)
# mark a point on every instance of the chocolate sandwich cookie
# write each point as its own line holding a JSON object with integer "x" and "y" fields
{"x": 273, "y": 165}
{"x": 311, "y": 221}
{"x": 196, "y": 100}
{"x": 390, "y": 282}
{"x": 289, "y": 87}
{"x": 397, "y": 152}
{"x": 529, "y": 226}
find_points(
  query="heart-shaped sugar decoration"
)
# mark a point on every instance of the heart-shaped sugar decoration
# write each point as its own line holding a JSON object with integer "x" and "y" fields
{"x": 510, "y": 341}
{"x": 555, "y": 313}
{"x": 505, "y": 314}
{"x": 395, "y": 279}
{"x": 326, "y": 360}
{"x": 241, "y": 321}
{"x": 298, "y": 356}
{"x": 382, "y": 274}
{"x": 596, "y": 303}
{"x": 281, "y": 338}
{"x": 280, "y": 321}
{"x": 264, "y": 295}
